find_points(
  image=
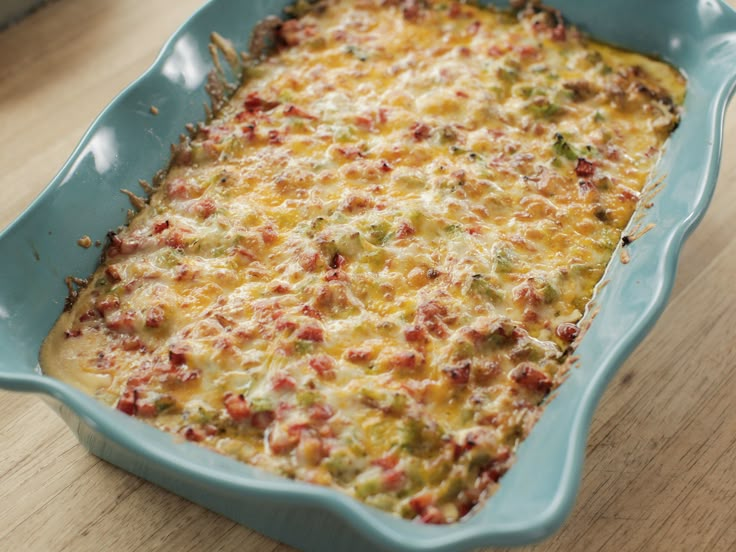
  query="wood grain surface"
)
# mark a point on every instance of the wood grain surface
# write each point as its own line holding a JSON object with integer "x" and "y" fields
{"x": 660, "y": 472}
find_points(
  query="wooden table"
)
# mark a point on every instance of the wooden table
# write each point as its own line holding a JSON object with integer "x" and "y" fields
{"x": 661, "y": 463}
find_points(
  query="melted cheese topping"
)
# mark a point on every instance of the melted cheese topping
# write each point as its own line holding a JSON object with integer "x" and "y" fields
{"x": 366, "y": 271}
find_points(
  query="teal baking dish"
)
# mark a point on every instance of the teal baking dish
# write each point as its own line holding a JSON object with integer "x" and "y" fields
{"x": 127, "y": 142}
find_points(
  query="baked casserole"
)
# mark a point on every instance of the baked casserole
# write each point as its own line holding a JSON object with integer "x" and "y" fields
{"x": 367, "y": 269}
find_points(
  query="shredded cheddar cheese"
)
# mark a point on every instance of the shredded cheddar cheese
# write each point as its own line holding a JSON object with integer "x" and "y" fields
{"x": 366, "y": 270}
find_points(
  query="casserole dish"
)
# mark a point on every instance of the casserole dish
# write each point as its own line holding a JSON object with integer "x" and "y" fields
{"x": 96, "y": 157}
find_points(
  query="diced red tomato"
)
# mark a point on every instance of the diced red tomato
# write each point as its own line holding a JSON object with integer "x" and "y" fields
{"x": 281, "y": 288}
{"x": 293, "y": 111}
{"x": 138, "y": 379}
{"x": 585, "y": 186}
{"x": 528, "y": 52}
{"x": 121, "y": 322}
{"x": 320, "y": 412}
{"x": 420, "y": 131}
{"x": 237, "y": 407}
{"x": 132, "y": 343}
{"x": 293, "y": 31}
{"x": 245, "y": 255}
{"x": 175, "y": 240}
{"x": 112, "y": 273}
{"x": 308, "y": 261}
{"x": 269, "y": 234}
{"x": 567, "y": 332}
{"x": 178, "y": 355}
{"x": 160, "y": 226}
{"x": 433, "y": 515}
{"x": 323, "y": 365}
{"x": 459, "y": 373}
{"x": 366, "y": 123}
{"x": 627, "y": 194}
{"x": 249, "y": 131}
{"x": 495, "y": 51}
{"x": 412, "y": 10}
{"x": 126, "y": 403}
{"x": 282, "y": 410}
{"x": 527, "y": 376}
{"x": 145, "y": 409}
{"x": 338, "y": 261}
{"x": 275, "y": 137}
{"x": 405, "y": 230}
{"x": 559, "y": 33}
{"x": 584, "y": 168}
{"x": 386, "y": 462}
{"x": 285, "y": 324}
{"x": 526, "y": 293}
{"x": 415, "y": 334}
{"x": 420, "y": 502}
{"x": 282, "y": 442}
{"x": 284, "y": 382}
{"x": 405, "y": 360}
{"x": 183, "y": 376}
{"x": 89, "y": 315}
{"x": 178, "y": 188}
{"x": 205, "y": 208}
{"x": 530, "y": 316}
{"x": 311, "y": 333}
{"x": 393, "y": 480}
{"x": 194, "y": 434}
{"x": 432, "y": 316}
{"x": 107, "y": 304}
{"x": 310, "y": 311}
{"x": 263, "y": 419}
{"x": 254, "y": 103}
{"x": 359, "y": 355}
{"x": 155, "y": 317}
{"x": 351, "y": 152}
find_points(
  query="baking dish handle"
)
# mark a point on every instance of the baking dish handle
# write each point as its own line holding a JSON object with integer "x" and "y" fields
{"x": 720, "y": 54}
{"x": 12, "y": 380}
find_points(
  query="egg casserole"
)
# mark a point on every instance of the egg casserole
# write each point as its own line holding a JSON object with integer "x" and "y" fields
{"x": 366, "y": 270}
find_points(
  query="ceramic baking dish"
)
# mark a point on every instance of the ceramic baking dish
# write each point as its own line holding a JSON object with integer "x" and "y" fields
{"x": 128, "y": 142}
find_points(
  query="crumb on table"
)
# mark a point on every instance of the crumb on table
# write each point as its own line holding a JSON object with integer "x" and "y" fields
{"x": 84, "y": 241}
